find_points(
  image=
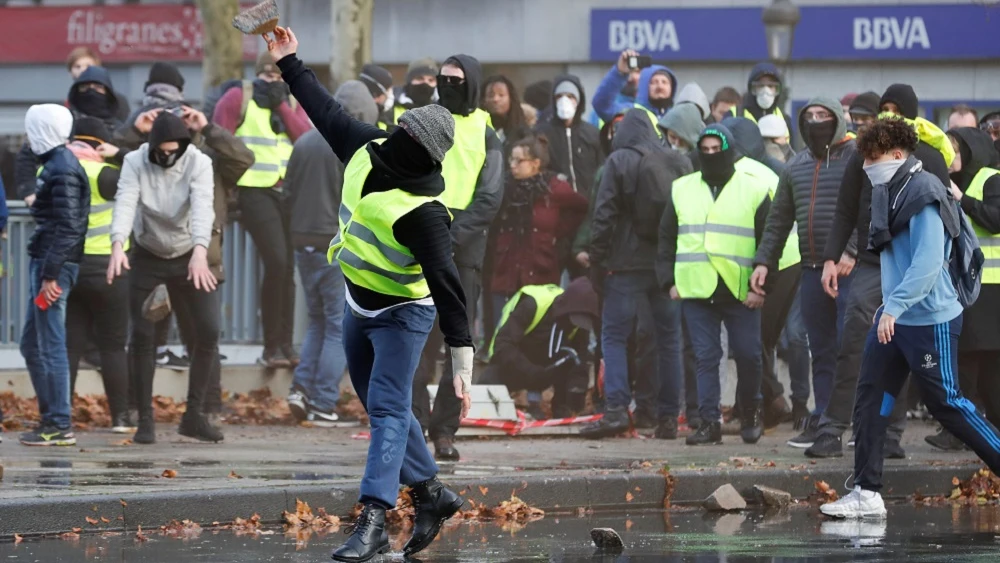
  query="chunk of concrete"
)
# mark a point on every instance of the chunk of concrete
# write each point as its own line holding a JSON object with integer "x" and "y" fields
{"x": 775, "y": 498}
{"x": 606, "y": 539}
{"x": 725, "y": 499}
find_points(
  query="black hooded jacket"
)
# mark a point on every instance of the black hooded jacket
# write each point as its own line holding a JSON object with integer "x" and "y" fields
{"x": 750, "y": 101}
{"x": 424, "y": 231}
{"x": 614, "y": 244}
{"x": 749, "y": 143}
{"x": 574, "y": 151}
{"x": 977, "y": 152}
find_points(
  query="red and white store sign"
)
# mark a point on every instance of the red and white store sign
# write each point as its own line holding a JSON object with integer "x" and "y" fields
{"x": 120, "y": 34}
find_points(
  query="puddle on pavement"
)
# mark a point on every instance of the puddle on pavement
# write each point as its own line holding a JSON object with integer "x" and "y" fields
{"x": 914, "y": 534}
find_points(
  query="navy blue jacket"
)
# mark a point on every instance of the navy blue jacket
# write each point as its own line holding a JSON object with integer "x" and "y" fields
{"x": 60, "y": 210}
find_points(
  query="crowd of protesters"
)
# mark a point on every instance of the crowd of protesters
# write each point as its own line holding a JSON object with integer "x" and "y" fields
{"x": 597, "y": 248}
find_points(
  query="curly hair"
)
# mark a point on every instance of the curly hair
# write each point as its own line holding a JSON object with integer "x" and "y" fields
{"x": 885, "y": 135}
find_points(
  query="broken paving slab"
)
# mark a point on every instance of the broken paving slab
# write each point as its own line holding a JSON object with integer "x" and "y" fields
{"x": 725, "y": 499}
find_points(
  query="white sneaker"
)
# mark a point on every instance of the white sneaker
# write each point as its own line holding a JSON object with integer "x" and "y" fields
{"x": 297, "y": 404}
{"x": 861, "y": 533}
{"x": 858, "y": 503}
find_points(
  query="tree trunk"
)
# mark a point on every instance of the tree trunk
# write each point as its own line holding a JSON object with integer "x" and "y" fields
{"x": 350, "y": 38}
{"x": 222, "y": 44}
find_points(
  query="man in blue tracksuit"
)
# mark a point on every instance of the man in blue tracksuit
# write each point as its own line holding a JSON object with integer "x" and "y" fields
{"x": 654, "y": 93}
{"x": 916, "y": 330}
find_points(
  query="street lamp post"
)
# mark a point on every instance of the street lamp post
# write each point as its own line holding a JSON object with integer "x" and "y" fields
{"x": 780, "y": 19}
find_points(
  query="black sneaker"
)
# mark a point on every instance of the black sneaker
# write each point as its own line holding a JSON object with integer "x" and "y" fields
{"x": 751, "y": 425}
{"x": 298, "y": 404}
{"x": 946, "y": 441}
{"x": 195, "y": 425}
{"x": 667, "y": 429}
{"x": 272, "y": 358}
{"x": 892, "y": 450}
{"x": 290, "y": 355}
{"x": 810, "y": 432}
{"x": 613, "y": 423}
{"x": 49, "y": 436}
{"x": 169, "y": 360}
{"x": 707, "y": 433}
{"x": 800, "y": 415}
{"x": 643, "y": 420}
{"x": 826, "y": 446}
{"x": 146, "y": 434}
{"x": 123, "y": 423}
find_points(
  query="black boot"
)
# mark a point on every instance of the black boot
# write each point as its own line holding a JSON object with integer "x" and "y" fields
{"x": 751, "y": 425}
{"x": 444, "y": 449}
{"x": 195, "y": 425}
{"x": 613, "y": 423}
{"x": 368, "y": 537}
{"x": 667, "y": 429}
{"x": 946, "y": 441}
{"x": 708, "y": 433}
{"x": 800, "y": 415}
{"x": 433, "y": 503}
{"x": 146, "y": 434}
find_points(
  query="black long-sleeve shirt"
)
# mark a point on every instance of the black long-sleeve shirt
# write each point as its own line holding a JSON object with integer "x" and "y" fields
{"x": 424, "y": 231}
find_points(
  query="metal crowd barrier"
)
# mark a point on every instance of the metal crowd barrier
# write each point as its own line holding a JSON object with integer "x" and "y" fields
{"x": 240, "y": 321}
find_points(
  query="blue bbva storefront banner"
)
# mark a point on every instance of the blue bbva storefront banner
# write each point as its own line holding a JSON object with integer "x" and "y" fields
{"x": 927, "y": 31}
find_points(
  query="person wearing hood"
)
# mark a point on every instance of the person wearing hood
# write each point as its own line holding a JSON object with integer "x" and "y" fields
{"x": 864, "y": 111}
{"x": 901, "y": 101}
{"x": 420, "y": 88}
{"x": 395, "y": 250}
{"x": 378, "y": 80}
{"x": 709, "y": 232}
{"x": 806, "y": 197}
{"x": 917, "y": 329}
{"x": 782, "y": 311}
{"x": 975, "y": 183}
{"x": 271, "y": 122}
{"x": 474, "y": 181}
{"x": 539, "y": 96}
{"x": 542, "y": 341}
{"x": 763, "y": 96}
{"x": 853, "y": 215}
{"x": 82, "y": 58}
{"x": 315, "y": 183}
{"x": 60, "y": 210}
{"x": 98, "y": 310}
{"x": 682, "y": 125}
{"x": 691, "y": 93}
{"x": 654, "y": 90}
{"x": 165, "y": 198}
{"x": 774, "y": 131}
{"x": 623, "y": 261}
{"x": 574, "y": 144}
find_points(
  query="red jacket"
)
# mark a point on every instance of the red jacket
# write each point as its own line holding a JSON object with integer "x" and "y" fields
{"x": 536, "y": 256}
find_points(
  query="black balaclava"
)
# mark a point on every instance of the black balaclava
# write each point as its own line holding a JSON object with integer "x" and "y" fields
{"x": 405, "y": 156}
{"x": 818, "y": 135}
{"x": 422, "y": 94}
{"x": 167, "y": 127}
{"x": 464, "y": 98}
{"x": 94, "y": 103}
{"x": 717, "y": 168}
{"x": 904, "y": 97}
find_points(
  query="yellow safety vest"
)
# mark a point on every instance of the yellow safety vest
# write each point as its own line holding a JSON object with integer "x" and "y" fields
{"x": 928, "y": 133}
{"x": 790, "y": 255}
{"x": 748, "y": 115}
{"x": 98, "y": 241}
{"x": 852, "y": 135}
{"x": 396, "y": 112}
{"x": 369, "y": 254}
{"x": 989, "y": 242}
{"x": 653, "y": 118}
{"x": 715, "y": 237}
{"x": 544, "y": 296}
{"x": 271, "y": 150}
{"x": 464, "y": 161}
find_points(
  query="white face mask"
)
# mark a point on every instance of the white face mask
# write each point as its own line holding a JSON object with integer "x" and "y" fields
{"x": 676, "y": 147}
{"x": 565, "y": 108}
{"x": 765, "y": 97}
{"x": 390, "y": 100}
{"x": 881, "y": 172}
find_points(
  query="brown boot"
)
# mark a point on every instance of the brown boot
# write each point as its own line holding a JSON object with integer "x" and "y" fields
{"x": 444, "y": 449}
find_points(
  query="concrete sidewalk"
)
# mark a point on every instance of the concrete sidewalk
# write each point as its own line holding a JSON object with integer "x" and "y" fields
{"x": 264, "y": 469}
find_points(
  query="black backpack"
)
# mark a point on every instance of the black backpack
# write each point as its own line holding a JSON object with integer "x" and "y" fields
{"x": 966, "y": 263}
{"x": 651, "y": 192}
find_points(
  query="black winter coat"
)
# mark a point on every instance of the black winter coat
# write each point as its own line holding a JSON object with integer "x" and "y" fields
{"x": 61, "y": 208}
{"x": 574, "y": 151}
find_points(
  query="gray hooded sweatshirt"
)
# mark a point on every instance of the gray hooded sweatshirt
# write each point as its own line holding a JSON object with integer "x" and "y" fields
{"x": 691, "y": 93}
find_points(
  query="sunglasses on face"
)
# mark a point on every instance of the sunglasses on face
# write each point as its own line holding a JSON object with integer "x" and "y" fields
{"x": 450, "y": 80}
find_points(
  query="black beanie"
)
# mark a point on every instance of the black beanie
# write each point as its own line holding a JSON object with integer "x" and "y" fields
{"x": 867, "y": 104}
{"x": 168, "y": 127}
{"x": 374, "y": 76}
{"x": 539, "y": 94}
{"x": 903, "y": 96}
{"x": 165, "y": 73}
{"x": 90, "y": 130}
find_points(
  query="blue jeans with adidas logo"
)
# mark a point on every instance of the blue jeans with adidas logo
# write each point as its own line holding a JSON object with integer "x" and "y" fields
{"x": 931, "y": 354}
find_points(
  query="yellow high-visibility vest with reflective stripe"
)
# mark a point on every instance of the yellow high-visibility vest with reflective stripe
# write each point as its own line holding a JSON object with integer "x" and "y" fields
{"x": 790, "y": 254}
{"x": 988, "y": 242}
{"x": 544, "y": 296}
{"x": 748, "y": 115}
{"x": 98, "y": 241}
{"x": 369, "y": 254}
{"x": 715, "y": 237}
{"x": 464, "y": 160}
{"x": 271, "y": 150}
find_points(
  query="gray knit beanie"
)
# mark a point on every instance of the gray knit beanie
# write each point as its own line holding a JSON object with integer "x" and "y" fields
{"x": 432, "y": 126}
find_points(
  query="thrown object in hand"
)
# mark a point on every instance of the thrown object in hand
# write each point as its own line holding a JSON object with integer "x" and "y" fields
{"x": 606, "y": 539}
{"x": 260, "y": 19}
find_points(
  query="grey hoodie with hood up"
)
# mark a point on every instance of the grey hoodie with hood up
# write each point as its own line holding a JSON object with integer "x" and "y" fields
{"x": 691, "y": 93}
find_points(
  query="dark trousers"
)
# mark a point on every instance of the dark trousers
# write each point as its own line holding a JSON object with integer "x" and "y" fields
{"x": 148, "y": 271}
{"x": 703, "y": 319}
{"x": 690, "y": 378}
{"x": 445, "y": 418}
{"x": 100, "y": 311}
{"x": 824, "y": 317}
{"x": 643, "y": 362}
{"x": 568, "y": 381}
{"x": 863, "y": 301}
{"x": 980, "y": 381}
{"x": 796, "y": 342}
{"x": 264, "y": 214}
{"x": 931, "y": 354}
{"x": 772, "y": 323}
{"x": 382, "y": 354}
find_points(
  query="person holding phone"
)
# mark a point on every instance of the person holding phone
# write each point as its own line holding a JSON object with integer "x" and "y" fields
{"x": 60, "y": 210}
{"x": 654, "y": 91}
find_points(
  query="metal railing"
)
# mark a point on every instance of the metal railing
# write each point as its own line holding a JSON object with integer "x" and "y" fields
{"x": 240, "y": 323}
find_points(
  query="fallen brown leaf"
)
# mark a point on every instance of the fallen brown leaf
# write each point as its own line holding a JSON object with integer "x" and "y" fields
{"x": 76, "y": 530}
{"x": 70, "y": 536}
{"x": 483, "y": 490}
{"x": 125, "y": 442}
{"x": 628, "y": 497}
{"x": 139, "y": 536}
{"x": 233, "y": 475}
{"x": 169, "y": 473}
{"x": 18, "y": 538}
{"x": 123, "y": 503}
{"x": 92, "y": 521}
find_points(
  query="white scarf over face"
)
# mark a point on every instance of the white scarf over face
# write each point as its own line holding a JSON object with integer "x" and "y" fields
{"x": 48, "y": 126}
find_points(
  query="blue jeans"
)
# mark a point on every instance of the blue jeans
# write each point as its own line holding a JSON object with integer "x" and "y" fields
{"x": 796, "y": 340}
{"x": 382, "y": 355}
{"x": 703, "y": 319}
{"x": 825, "y": 324}
{"x": 625, "y": 294}
{"x": 43, "y": 345}
{"x": 323, "y": 359}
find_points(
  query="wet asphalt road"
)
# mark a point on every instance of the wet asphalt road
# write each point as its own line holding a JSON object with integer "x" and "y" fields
{"x": 911, "y": 534}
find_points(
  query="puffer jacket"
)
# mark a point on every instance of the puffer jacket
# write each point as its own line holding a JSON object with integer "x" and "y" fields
{"x": 807, "y": 194}
{"x": 61, "y": 208}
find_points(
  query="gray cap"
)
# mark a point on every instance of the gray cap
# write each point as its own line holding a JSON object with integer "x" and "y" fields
{"x": 432, "y": 126}
{"x": 567, "y": 87}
